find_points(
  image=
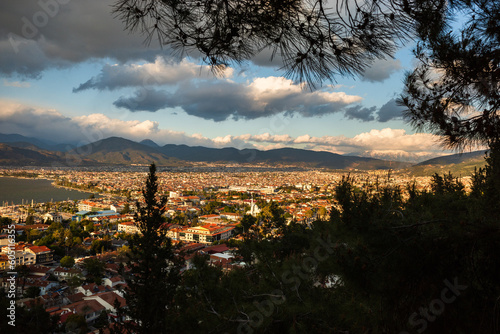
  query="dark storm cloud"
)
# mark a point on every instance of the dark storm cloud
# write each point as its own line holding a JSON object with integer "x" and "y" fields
{"x": 360, "y": 113}
{"x": 39, "y": 35}
{"x": 36, "y": 35}
{"x": 219, "y": 100}
{"x": 145, "y": 100}
{"x": 390, "y": 111}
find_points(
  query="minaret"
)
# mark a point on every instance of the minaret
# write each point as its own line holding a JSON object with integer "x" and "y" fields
{"x": 252, "y": 207}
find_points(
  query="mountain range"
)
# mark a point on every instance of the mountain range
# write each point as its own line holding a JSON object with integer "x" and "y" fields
{"x": 17, "y": 150}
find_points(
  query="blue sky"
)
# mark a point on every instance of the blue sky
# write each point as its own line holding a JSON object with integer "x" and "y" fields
{"x": 68, "y": 72}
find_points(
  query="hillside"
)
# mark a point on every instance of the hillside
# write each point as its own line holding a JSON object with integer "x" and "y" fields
{"x": 34, "y": 156}
{"x": 120, "y": 151}
{"x": 458, "y": 164}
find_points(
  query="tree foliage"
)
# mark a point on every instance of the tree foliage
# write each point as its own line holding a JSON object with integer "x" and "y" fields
{"x": 315, "y": 39}
{"x": 32, "y": 292}
{"x": 95, "y": 269}
{"x": 67, "y": 262}
{"x": 27, "y": 321}
{"x": 454, "y": 91}
{"x": 155, "y": 266}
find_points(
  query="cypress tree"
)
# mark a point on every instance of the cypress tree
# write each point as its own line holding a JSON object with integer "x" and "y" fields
{"x": 155, "y": 266}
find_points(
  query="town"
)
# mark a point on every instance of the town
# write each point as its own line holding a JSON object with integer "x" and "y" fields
{"x": 67, "y": 255}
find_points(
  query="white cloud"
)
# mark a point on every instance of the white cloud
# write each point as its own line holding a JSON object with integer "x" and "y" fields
{"x": 376, "y": 143}
{"x": 159, "y": 72}
{"x": 266, "y": 137}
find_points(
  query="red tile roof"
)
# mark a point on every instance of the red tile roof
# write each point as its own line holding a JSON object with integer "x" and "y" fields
{"x": 40, "y": 249}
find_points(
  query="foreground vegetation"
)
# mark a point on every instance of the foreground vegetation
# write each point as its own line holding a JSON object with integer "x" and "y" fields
{"x": 381, "y": 264}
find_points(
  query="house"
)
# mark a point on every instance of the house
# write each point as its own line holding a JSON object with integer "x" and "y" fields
{"x": 87, "y": 205}
{"x": 222, "y": 248}
{"x": 80, "y": 215}
{"x": 43, "y": 254}
{"x": 45, "y": 286}
{"x": 38, "y": 227}
{"x": 112, "y": 269}
{"x": 4, "y": 239}
{"x": 53, "y": 216}
{"x": 65, "y": 273}
{"x": 24, "y": 258}
{"x": 39, "y": 270}
{"x": 90, "y": 309}
{"x": 209, "y": 217}
{"x": 4, "y": 261}
{"x": 22, "y": 284}
{"x": 17, "y": 255}
{"x": 113, "y": 281}
{"x": 117, "y": 207}
{"x": 74, "y": 298}
{"x": 231, "y": 216}
{"x": 128, "y": 227}
{"x": 92, "y": 306}
{"x": 221, "y": 259}
{"x": 88, "y": 241}
{"x": 17, "y": 227}
{"x": 173, "y": 232}
{"x": 90, "y": 289}
{"x": 194, "y": 199}
{"x": 107, "y": 300}
{"x": 118, "y": 243}
{"x": 205, "y": 234}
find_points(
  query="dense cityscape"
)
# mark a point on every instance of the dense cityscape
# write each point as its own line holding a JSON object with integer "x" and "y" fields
{"x": 71, "y": 250}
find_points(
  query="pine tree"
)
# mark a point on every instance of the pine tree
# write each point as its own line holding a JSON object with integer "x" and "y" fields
{"x": 155, "y": 266}
{"x": 453, "y": 91}
{"x": 316, "y": 40}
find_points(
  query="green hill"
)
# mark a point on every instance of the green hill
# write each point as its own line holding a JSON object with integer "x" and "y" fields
{"x": 458, "y": 164}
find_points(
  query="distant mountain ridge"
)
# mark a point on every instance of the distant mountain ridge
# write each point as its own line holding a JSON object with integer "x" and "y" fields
{"x": 120, "y": 151}
{"x": 19, "y": 150}
{"x": 277, "y": 156}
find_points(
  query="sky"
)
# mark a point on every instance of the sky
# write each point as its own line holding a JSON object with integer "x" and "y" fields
{"x": 69, "y": 72}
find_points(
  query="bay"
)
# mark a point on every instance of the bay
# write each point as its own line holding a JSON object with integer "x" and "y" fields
{"x": 40, "y": 191}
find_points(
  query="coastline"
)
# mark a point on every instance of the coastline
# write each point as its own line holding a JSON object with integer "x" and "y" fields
{"x": 41, "y": 192}
{"x": 80, "y": 190}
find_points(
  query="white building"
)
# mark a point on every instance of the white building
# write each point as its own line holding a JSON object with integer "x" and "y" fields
{"x": 55, "y": 217}
{"x": 205, "y": 234}
{"x": 128, "y": 227}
